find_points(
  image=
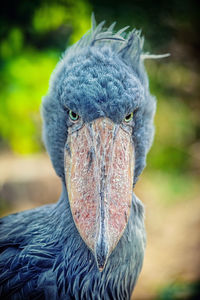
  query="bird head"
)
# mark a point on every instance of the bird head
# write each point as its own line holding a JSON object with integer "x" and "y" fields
{"x": 98, "y": 127}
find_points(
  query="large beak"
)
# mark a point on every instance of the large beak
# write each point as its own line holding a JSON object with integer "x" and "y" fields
{"x": 99, "y": 164}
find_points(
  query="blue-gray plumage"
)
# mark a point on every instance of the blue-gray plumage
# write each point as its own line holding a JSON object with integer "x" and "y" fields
{"x": 43, "y": 253}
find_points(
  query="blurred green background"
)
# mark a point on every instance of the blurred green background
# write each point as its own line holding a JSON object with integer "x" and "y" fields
{"x": 33, "y": 35}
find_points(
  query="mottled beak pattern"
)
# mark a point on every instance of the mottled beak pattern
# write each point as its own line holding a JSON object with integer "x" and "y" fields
{"x": 99, "y": 166}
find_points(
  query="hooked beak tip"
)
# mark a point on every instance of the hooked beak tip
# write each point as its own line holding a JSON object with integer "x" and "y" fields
{"x": 100, "y": 269}
{"x": 101, "y": 264}
{"x": 101, "y": 254}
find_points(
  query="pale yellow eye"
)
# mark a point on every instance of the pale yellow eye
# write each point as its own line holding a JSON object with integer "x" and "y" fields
{"x": 128, "y": 118}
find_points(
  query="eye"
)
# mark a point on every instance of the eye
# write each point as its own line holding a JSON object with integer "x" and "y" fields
{"x": 73, "y": 116}
{"x": 128, "y": 118}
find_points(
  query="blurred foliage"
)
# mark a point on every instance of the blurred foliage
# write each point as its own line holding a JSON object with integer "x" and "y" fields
{"x": 35, "y": 33}
{"x": 180, "y": 291}
{"x": 23, "y": 85}
{"x": 176, "y": 123}
{"x": 33, "y": 36}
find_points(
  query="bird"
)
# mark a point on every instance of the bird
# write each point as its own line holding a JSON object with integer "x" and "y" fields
{"x": 97, "y": 128}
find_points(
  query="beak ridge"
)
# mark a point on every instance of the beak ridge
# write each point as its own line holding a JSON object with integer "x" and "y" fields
{"x": 99, "y": 175}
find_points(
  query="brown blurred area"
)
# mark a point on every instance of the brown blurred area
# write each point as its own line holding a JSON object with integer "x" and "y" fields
{"x": 27, "y": 182}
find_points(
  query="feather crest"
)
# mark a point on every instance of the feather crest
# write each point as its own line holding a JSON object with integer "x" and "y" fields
{"x": 129, "y": 45}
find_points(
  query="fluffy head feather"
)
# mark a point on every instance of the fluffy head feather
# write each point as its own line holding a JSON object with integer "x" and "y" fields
{"x": 101, "y": 75}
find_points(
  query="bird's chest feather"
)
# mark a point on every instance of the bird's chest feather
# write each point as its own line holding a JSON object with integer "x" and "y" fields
{"x": 76, "y": 275}
{"x": 64, "y": 268}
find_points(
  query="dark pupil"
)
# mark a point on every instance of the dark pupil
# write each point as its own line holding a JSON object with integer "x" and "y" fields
{"x": 128, "y": 117}
{"x": 74, "y": 115}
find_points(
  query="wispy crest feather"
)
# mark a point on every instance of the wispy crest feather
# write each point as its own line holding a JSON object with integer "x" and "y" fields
{"x": 129, "y": 45}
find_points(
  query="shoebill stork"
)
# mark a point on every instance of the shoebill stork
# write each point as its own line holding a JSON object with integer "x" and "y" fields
{"x": 98, "y": 128}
